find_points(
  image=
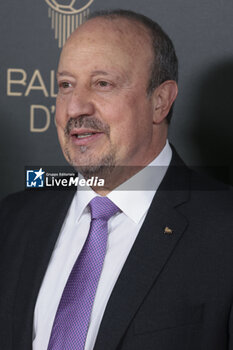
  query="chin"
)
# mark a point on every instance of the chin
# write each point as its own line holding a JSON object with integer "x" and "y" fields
{"x": 100, "y": 171}
{"x": 92, "y": 166}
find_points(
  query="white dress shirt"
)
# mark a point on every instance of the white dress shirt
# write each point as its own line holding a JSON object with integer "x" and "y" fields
{"x": 123, "y": 229}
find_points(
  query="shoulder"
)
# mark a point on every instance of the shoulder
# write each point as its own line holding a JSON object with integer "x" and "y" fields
{"x": 20, "y": 201}
{"x": 211, "y": 194}
{"x": 208, "y": 203}
{"x": 202, "y": 188}
{"x": 23, "y": 205}
{"x": 209, "y": 213}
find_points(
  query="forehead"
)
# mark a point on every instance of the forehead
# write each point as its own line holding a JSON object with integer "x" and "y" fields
{"x": 116, "y": 42}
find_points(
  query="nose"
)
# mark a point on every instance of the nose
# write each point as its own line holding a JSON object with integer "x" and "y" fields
{"x": 80, "y": 104}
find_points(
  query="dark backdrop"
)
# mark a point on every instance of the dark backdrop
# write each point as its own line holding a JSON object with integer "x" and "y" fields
{"x": 202, "y": 124}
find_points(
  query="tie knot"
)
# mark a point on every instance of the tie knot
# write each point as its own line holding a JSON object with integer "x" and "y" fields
{"x": 102, "y": 208}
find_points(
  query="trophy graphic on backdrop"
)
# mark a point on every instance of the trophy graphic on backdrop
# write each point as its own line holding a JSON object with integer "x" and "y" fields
{"x": 66, "y": 16}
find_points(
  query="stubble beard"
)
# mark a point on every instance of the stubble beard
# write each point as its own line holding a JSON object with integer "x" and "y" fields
{"x": 101, "y": 167}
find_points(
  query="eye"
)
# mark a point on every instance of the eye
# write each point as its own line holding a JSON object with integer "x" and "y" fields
{"x": 103, "y": 83}
{"x": 64, "y": 85}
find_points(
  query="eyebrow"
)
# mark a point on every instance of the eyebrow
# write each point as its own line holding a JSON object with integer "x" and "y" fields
{"x": 93, "y": 74}
{"x": 99, "y": 72}
{"x": 96, "y": 72}
{"x": 61, "y": 74}
{"x": 113, "y": 73}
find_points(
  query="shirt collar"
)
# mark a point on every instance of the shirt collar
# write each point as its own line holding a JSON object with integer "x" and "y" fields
{"x": 135, "y": 195}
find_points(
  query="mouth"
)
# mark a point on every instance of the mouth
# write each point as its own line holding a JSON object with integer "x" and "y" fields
{"x": 83, "y": 137}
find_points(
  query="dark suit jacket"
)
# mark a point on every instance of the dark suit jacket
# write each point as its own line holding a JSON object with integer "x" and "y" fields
{"x": 175, "y": 291}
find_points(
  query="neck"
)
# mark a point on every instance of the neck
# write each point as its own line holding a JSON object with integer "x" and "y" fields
{"x": 115, "y": 176}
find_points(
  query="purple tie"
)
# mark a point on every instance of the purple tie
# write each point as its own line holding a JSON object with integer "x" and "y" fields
{"x": 74, "y": 311}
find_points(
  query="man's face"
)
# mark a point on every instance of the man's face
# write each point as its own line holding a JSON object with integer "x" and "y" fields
{"x": 103, "y": 114}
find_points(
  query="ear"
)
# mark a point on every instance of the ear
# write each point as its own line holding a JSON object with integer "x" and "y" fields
{"x": 163, "y": 97}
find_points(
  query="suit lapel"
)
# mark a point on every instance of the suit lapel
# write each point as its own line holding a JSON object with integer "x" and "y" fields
{"x": 151, "y": 251}
{"x": 43, "y": 234}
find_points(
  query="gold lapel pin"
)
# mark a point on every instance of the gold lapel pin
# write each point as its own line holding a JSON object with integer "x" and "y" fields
{"x": 168, "y": 231}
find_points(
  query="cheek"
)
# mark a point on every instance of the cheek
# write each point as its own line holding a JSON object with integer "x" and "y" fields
{"x": 60, "y": 116}
{"x": 60, "y": 134}
{"x": 122, "y": 130}
{"x": 134, "y": 124}
{"x": 122, "y": 117}
{"x": 60, "y": 120}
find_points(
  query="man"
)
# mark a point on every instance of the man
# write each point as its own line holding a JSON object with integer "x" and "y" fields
{"x": 166, "y": 277}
